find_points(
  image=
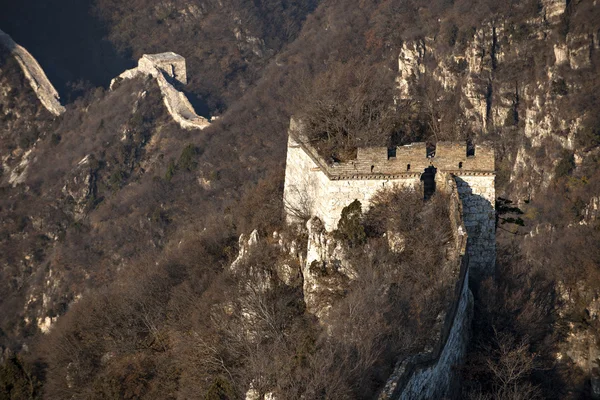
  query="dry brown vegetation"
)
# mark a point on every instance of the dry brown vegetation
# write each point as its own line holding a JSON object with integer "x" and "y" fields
{"x": 186, "y": 325}
{"x": 161, "y": 221}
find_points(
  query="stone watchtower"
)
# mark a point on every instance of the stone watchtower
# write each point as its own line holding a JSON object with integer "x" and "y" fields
{"x": 315, "y": 188}
{"x": 169, "y": 71}
{"x": 171, "y": 64}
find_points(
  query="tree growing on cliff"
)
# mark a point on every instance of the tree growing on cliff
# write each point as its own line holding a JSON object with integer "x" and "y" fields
{"x": 508, "y": 213}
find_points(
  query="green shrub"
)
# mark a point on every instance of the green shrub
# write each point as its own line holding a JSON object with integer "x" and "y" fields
{"x": 116, "y": 179}
{"x": 171, "y": 169}
{"x": 350, "y": 228}
{"x": 559, "y": 87}
{"x": 318, "y": 268}
{"x": 588, "y": 136}
{"x": 55, "y": 139}
{"x": 187, "y": 159}
{"x": 512, "y": 118}
{"x": 220, "y": 389}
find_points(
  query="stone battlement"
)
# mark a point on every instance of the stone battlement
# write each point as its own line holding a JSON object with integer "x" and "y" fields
{"x": 315, "y": 188}
{"x": 400, "y": 162}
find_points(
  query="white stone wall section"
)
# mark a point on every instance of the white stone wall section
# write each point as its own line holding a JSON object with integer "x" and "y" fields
{"x": 478, "y": 195}
{"x": 35, "y": 75}
{"x": 309, "y": 192}
{"x": 160, "y": 66}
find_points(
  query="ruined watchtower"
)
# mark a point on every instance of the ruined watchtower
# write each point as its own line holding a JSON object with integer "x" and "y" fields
{"x": 315, "y": 188}
{"x": 169, "y": 71}
{"x": 169, "y": 63}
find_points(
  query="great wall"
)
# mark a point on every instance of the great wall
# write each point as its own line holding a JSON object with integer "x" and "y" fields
{"x": 168, "y": 69}
{"x": 432, "y": 374}
{"x": 315, "y": 188}
{"x": 34, "y": 74}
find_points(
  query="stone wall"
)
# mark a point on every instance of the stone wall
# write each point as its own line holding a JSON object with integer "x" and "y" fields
{"x": 169, "y": 63}
{"x": 315, "y": 188}
{"x": 432, "y": 375}
{"x": 310, "y": 191}
{"x": 478, "y": 195}
{"x": 168, "y": 68}
{"x": 34, "y": 74}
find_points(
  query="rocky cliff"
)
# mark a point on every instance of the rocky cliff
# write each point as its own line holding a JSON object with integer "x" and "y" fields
{"x": 515, "y": 79}
{"x": 526, "y": 80}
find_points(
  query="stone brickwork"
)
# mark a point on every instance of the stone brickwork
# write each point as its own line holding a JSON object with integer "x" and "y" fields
{"x": 34, "y": 74}
{"x": 168, "y": 68}
{"x": 311, "y": 189}
{"x": 478, "y": 195}
{"x": 315, "y": 188}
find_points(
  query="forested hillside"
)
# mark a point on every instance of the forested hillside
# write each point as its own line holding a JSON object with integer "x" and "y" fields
{"x": 118, "y": 229}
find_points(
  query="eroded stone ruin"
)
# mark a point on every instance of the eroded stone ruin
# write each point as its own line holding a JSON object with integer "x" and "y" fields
{"x": 168, "y": 69}
{"x": 34, "y": 74}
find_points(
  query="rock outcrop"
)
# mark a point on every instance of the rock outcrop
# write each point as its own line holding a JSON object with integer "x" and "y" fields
{"x": 507, "y": 77}
{"x": 326, "y": 272}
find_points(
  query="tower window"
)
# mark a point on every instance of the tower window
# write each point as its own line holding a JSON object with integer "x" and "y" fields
{"x": 408, "y": 167}
{"x": 470, "y": 148}
{"x": 460, "y": 164}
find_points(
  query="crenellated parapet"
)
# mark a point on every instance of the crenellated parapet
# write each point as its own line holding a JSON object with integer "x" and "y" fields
{"x": 314, "y": 187}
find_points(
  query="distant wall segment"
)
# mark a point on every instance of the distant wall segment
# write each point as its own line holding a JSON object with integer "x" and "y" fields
{"x": 168, "y": 69}
{"x": 35, "y": 75}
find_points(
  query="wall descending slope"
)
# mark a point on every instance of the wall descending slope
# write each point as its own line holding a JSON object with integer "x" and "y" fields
{"x": 315, "y": 188}
{"x": 35, "y": 75}
{"x": 432, "y": 374}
